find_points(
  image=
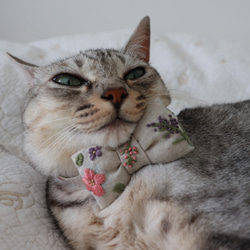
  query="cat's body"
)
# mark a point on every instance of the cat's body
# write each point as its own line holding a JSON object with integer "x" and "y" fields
{"x": 97, "y": 97}
{"x": 199, "y": 202}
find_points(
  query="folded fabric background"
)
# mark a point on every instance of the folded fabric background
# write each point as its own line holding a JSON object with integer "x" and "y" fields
{"x": 197, "y": 71}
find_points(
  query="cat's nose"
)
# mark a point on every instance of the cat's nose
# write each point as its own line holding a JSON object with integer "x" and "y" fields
{"x": 116, "y": 96}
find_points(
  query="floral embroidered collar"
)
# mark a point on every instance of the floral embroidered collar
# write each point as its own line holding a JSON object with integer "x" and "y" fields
{"x": 158, "y": 138}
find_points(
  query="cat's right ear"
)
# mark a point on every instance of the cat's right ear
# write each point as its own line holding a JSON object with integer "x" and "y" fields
{"x": 27, "y": 68}
{"x": 139, "y": 42}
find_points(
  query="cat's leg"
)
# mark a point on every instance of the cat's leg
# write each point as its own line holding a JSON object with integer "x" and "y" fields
{"x": 73, "y": 211}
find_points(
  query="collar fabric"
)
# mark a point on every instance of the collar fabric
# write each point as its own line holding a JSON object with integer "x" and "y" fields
{"x": 158, "y": 138}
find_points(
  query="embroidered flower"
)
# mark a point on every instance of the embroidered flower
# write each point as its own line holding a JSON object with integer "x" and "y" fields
{"x": 170, "y": 126}
{"x": 95, "y": 152}
{"x": 93, "y": 181}
{"x": 129, "y": 153}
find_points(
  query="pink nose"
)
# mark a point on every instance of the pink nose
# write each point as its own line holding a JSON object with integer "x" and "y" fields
{"x": 116, "y": 96}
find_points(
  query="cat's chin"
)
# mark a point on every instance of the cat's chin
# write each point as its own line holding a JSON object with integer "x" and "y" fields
{"x": 115, "y": 124}
{"x": 117, "y": 132}
{"x": 111, "y": 135}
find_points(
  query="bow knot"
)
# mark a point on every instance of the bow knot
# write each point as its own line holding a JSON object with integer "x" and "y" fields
{"x": 158, "y": 138}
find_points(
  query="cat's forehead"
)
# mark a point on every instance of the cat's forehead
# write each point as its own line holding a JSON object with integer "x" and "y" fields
{"x": 109, "y": 57}
{"x": 98, "y": 63}
{"x": 103, "y": 55}
{"x": 103, "y": 61}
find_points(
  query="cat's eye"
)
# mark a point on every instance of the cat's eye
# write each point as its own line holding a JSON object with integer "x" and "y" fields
{"x": 69, "y": 80}
{"x": 134, "y": 74}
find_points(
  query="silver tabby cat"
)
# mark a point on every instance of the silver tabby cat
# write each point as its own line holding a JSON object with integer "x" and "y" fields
{"x": 96, "y": 97}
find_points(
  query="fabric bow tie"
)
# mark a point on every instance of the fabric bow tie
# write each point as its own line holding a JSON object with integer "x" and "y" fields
{"x": 158, "y": 138}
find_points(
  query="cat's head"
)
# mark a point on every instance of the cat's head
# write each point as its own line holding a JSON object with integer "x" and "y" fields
{"x": 93, "y": 98}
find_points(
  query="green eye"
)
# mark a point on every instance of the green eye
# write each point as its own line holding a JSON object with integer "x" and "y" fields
{"x": 134, "y": 74}
{"x": 68, "y": 80}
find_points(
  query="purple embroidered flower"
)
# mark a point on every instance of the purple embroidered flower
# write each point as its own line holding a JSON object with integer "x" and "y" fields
{"x": 95, "y": 152}
{"x": 169, "y": 126}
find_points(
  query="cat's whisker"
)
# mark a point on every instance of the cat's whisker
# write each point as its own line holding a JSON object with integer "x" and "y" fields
{"x": 41, "y": 124}
{"x": 58, "y": 141}
{"x": 65, "y": 138}
{"x": 64, "y": 132}
{"x": 178, "y": 93}
{"x": 62, "y": 150}
{"x": 54, "y": 135}
{"x": 50, "y": 107}
{"x": 66, "y": 141}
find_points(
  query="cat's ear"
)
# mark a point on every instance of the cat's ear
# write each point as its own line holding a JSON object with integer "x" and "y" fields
{"x": 139, "y": 42}
{"x": 27, "y": 68}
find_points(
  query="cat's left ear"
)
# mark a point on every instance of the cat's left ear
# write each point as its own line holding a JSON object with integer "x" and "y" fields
{"x": 139, "y": 42}
{"x": 27, "y": 68}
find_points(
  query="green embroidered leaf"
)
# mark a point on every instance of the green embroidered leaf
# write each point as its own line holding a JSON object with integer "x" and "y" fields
{"x": 119, "y": 188}
{"x": 79, "y": 160}
{"x": 179, "y": 140}
{"x": 184, "y": 134}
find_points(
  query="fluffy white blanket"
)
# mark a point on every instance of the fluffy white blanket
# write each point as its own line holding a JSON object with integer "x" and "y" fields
{"x": 197, "y": 71}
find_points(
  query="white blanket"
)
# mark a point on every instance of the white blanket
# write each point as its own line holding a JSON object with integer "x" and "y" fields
{"x": 197, "y": 71}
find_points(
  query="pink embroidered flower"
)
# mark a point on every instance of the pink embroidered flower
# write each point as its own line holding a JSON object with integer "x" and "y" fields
{"x": 93, "y": 181}
{"x": 130, "y": 152}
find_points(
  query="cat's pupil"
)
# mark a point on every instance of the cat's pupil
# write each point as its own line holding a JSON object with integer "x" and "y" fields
{"x": 134, "y": 74}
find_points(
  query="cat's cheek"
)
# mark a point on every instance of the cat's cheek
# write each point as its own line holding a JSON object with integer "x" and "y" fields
{"x": 96, "y": 122}
{"x": 133, "y": 107}
{"x": 132, "y": 116}
{"x": 98, "y": 114}
{"x": 132, "y": 113}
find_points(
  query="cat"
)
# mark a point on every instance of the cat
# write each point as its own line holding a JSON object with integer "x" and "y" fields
{"x": 200, "y": 201}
